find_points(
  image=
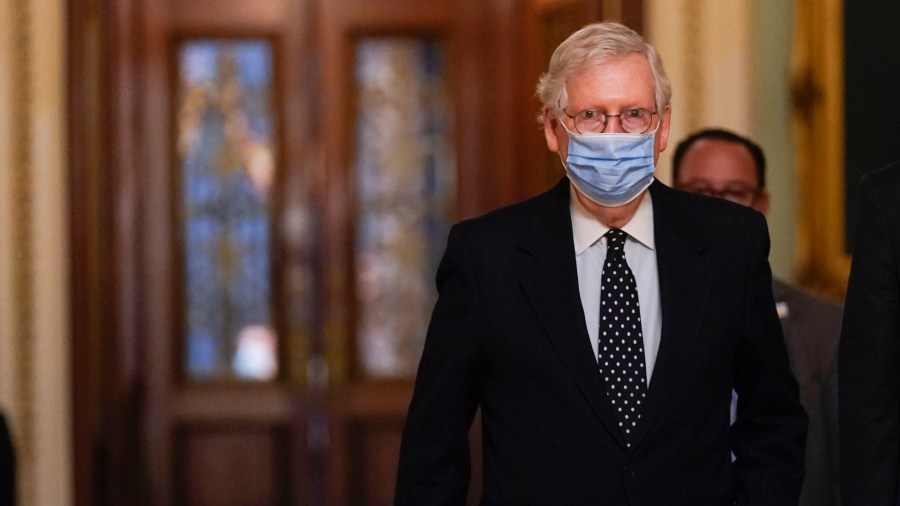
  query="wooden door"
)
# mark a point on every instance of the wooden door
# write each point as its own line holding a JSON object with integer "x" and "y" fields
{"x": 226, "y": 254}
{"x": 261, "y": 191}
{"x": 398, "y": 80}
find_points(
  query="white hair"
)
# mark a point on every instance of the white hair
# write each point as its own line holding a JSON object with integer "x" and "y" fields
{"x": 593, "y": 45}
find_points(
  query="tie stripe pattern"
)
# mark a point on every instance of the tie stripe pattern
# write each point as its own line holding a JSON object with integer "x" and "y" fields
{"x": 620, "y": 351}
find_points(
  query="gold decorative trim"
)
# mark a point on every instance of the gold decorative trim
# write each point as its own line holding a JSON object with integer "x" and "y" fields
{"x": 694, "y": 66}
{"x": 22, "y": 249}
{"x": 817, "y": 95}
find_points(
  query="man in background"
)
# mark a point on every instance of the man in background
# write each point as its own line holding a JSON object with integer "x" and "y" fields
{"x": 870, "y": 349}
{"x": 722, "y": 164}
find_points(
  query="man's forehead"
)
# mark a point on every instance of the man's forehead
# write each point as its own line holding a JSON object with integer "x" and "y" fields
{"x": 717, "y": 160}
{"x": 712, "y": 179}
{"x": 633, "y": 67}
{"x": 723, "y": 152}
{"x": 611, "y": 64}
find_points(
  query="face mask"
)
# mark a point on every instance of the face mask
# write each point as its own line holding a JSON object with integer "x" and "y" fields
{"x": 611, "y": 169}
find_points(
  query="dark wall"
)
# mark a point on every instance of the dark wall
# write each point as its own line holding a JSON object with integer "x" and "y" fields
{"x": 7, "y": 466}
{"x": 872, "y": 92}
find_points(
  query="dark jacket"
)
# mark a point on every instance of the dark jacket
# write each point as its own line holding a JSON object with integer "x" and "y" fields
{"x": 869, "y": 356}
{"x": 508, "y": 334}
{"x": 7, "y": 466}
{"x": 811, "y": 326}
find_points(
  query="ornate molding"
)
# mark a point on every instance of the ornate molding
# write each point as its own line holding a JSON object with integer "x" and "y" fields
{"x": 817, "y": 94}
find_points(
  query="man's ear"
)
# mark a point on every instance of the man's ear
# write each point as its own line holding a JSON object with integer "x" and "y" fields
{"x": 663, "y": 133}
{"x": 761, "y": 203}
{"x": 550, "y": 124}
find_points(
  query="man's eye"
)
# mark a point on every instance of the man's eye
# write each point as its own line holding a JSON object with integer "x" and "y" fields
{"x": 589, "y": 114}
{"x": 633, "y": 113}
{"x": 739, "y": 191}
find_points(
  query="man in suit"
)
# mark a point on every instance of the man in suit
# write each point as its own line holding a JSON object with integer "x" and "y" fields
{"x": 723, "y": 164}
{"x": 602, "y": 325}
{"x": 869, "y": 352}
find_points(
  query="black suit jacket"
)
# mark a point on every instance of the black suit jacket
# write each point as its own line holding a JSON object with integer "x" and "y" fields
{"x": 869, "y": 351}
{"x": 508, "y": 334}
{"x": 811, "y": 327}
{"x": 7, "y": 466}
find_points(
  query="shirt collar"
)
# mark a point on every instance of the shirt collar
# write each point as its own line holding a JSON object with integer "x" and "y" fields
{"x": 586, "y": 229}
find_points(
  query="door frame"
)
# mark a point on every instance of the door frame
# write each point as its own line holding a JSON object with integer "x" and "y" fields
{"x": 108, "y": 157}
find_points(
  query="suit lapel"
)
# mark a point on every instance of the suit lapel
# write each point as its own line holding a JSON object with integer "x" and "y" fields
{"x": 549, "y": 279}
{"x": 684, "y": 284}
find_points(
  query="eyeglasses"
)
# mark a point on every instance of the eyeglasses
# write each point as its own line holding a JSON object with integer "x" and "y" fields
{"x": 737, "y": 194}
{"x": 593, "y": 121}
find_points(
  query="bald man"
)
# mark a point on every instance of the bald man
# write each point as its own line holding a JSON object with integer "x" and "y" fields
{"x": 722, "y": 164}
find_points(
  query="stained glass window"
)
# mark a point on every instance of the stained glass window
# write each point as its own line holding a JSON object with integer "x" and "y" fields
{"x": 404, "y": 174}
{"x": 225, "y": 137}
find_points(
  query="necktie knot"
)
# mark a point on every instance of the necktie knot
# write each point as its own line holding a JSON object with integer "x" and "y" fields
{"x": 616, "y": 239}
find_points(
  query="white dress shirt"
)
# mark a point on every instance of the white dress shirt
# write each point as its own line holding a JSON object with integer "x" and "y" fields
{"x": 640, "y": 253}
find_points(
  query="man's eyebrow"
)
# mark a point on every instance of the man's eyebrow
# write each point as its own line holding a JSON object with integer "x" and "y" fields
{"x": 605, "y": 110}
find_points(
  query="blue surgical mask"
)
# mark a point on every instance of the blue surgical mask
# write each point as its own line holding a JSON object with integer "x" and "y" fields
{"x": 611, "y": 169}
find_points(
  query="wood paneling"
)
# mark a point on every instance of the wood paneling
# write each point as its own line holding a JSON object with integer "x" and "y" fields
{"x": 373, "y": 463}
{"x": 365, "y": 425}
{"x": 322, "y": 433}
{"x": 236, "y": 467}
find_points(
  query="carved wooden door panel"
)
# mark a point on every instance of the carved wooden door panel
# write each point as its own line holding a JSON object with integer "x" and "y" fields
{"x": 227, "y": 258}
{"x": 395, "y": 77}
{"x": 301, "y": 176}
{"x": 267, "y": 188}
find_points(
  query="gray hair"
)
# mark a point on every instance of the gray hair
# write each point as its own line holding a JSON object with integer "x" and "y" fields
{"x": 593, "y": 45}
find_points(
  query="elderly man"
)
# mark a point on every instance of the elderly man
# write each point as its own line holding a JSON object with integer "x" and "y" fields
{"x": 723, "y": 164}
{"x": 602, "y": 325}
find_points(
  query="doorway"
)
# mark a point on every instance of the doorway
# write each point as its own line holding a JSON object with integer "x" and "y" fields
{"x": 260, "y": 194}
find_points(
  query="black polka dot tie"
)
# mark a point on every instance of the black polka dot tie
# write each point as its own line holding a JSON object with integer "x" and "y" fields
{"x": 620, "y": 350}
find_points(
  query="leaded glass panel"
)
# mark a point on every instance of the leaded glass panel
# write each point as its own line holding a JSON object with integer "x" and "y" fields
{"x": 404, "y": 175}
{"x": 225, "y": 144}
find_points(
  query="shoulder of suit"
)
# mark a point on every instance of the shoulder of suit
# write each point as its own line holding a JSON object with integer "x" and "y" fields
{"x": 888, "y": 175}
{"x": 701, "y": 204}
{"x": 553, "y": 200}
{"x": 879, "y": 190}
{"x": 883, "y": 183}
{"x": 796, "y": 296}
{"x": 702, "y": 212}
